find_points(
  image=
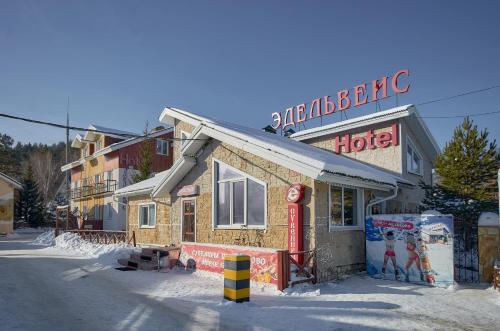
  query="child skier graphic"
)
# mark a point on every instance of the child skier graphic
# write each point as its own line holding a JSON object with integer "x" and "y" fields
{"x": 390, "y": 242}
{"x": 413, "y": 256}
{"x": 424, "y": 260}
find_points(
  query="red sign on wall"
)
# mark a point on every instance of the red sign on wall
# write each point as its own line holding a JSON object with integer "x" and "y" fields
{"x": 294, "y": 196}
{"x": 348, "y": 144}
{"x": 209, "y": 257}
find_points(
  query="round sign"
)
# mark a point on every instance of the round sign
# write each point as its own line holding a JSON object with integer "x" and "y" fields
{"x": 295, "y": 193}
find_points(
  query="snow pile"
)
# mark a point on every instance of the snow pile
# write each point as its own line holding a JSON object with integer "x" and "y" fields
{"x": 12, "y": 235}
{"x": 302, "y": 290}
{"x": 45, "y": 239}
{"x": 72, "y": 242}
{"x": 489, "y": 219}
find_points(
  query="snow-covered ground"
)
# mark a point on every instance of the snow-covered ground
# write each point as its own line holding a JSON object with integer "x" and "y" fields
{"x": 69, "y": 287}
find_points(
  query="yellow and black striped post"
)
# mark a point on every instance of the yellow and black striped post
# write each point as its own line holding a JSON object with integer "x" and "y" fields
{"x": 237, "y": 277}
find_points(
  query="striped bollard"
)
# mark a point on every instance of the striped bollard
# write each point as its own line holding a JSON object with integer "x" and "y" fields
{"x": 237, "y": 277}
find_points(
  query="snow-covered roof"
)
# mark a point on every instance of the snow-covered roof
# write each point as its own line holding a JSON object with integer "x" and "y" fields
{"x": 142, "y": 187}
{"x": 305, "y": 159}
{"x": 11, "y": 181}
{"x": 114, "y": 147}
{"x": 382, "y": 116}
{"x": 167, "y": 116}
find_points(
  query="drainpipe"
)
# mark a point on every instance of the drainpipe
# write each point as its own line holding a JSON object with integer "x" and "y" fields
{"x": 374, "y": 202}
{"x": 379, "y": 200}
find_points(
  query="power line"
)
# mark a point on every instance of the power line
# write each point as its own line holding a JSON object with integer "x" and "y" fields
{"x": 61, "y": 126}
{"x": 75, "y": 128}
{"x": 458, "y": 95}
{"x": 465, "y": 115}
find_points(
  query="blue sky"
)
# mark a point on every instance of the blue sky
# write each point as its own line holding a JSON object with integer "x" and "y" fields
{"x": 121, "y": 62}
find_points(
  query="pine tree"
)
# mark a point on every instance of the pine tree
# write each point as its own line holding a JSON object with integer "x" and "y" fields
{"x": 29, "y": 207}
{"x": 145, "y": 159}
{"x": 467, "y": 171}
{"x": 469, "y": 164}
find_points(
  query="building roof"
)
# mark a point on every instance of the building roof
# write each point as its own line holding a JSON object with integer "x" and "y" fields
{"x": 114, "y": 147}
{"x": 142, "y": 187}
{"x": 11, "y": 181}
{"x": 382, "y": 116}
{"x": 305, "y": 159}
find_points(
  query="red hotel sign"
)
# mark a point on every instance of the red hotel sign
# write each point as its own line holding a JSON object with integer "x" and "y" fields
{"x": 378, "y": 89}
{"x": 347, "y": 143}
{"x": 294, "y": 196}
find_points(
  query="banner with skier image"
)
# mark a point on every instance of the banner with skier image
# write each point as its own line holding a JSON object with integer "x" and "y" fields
{"x": 410, "y": 247}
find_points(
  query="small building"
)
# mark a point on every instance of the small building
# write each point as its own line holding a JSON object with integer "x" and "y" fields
{"x": 108, "y": 161}
{"x": 9, "y": 188}
{"x": 229, "y": 186}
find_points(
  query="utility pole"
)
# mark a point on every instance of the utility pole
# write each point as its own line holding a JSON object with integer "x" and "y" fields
{"x": 67, "y": 152}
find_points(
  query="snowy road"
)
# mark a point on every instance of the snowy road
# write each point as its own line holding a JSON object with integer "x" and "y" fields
{"x": 56, "y": 289}
{"x": 43, "y": 289}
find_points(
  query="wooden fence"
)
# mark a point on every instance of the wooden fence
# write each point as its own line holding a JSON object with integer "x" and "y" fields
{"x": 105, "y": 237}
{"x": 304, "y": 272}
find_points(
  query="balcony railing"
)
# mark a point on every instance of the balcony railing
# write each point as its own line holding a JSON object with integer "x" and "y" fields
{"x": 106, "y": 186}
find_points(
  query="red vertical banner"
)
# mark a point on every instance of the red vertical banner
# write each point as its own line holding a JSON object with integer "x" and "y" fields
{"x": 295, "y": 221}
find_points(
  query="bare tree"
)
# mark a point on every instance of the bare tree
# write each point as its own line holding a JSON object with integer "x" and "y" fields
{"x": 47, "y": 173}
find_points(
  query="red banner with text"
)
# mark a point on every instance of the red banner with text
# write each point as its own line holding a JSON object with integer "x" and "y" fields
{"x": 210, "y": 257}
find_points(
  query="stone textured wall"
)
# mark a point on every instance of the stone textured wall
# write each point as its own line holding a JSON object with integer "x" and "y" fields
{"x": 161, "y": 233}
{"x": 178, "y": 128}
{"x": 278, "y": 180}
{"x": 338, "y": 252}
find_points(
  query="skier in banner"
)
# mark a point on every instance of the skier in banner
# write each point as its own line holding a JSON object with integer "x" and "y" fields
{"x": 413, "y": 256}
{"x": 390, "y": 242}
{"x": 424, "y": 260}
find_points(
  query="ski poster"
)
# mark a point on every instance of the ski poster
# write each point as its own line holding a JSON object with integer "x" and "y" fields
{"x": 410, "y": 247}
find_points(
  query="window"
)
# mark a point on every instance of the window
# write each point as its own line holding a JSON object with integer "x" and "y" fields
{"x": 84, "y": 151}
{"x": 184, "y": 136}
{"x": 147, "y": 215}
{"x": 239, "y": 200}
{"x": 345, "y": 207}
{"x": 413, "y": 159}
{"x": 98, "y": 145}
{"x": 161, "y": 147}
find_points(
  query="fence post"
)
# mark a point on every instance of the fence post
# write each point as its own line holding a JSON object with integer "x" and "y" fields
{"x": 283, "y": 269}
{"x": 133, "y": 237}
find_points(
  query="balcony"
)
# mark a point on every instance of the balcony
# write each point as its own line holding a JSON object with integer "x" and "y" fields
{"x": 99, "y": 188}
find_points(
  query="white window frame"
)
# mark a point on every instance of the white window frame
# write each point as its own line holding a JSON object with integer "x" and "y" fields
{"x": 98, "y": 145}
{"x": 85, "y": 150}
{"x": 182, "y": 218}
{"x": 139, "y": 206}
{"x": 360, "y": 197}
{"x": 244, "y": 178}
{"x": 184, "y": 135}
{"x": 415, "y": 151}
{"x": 166, "y": 149}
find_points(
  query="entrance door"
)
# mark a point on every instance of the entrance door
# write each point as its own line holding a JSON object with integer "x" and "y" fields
{"x": 188, "y": 220}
